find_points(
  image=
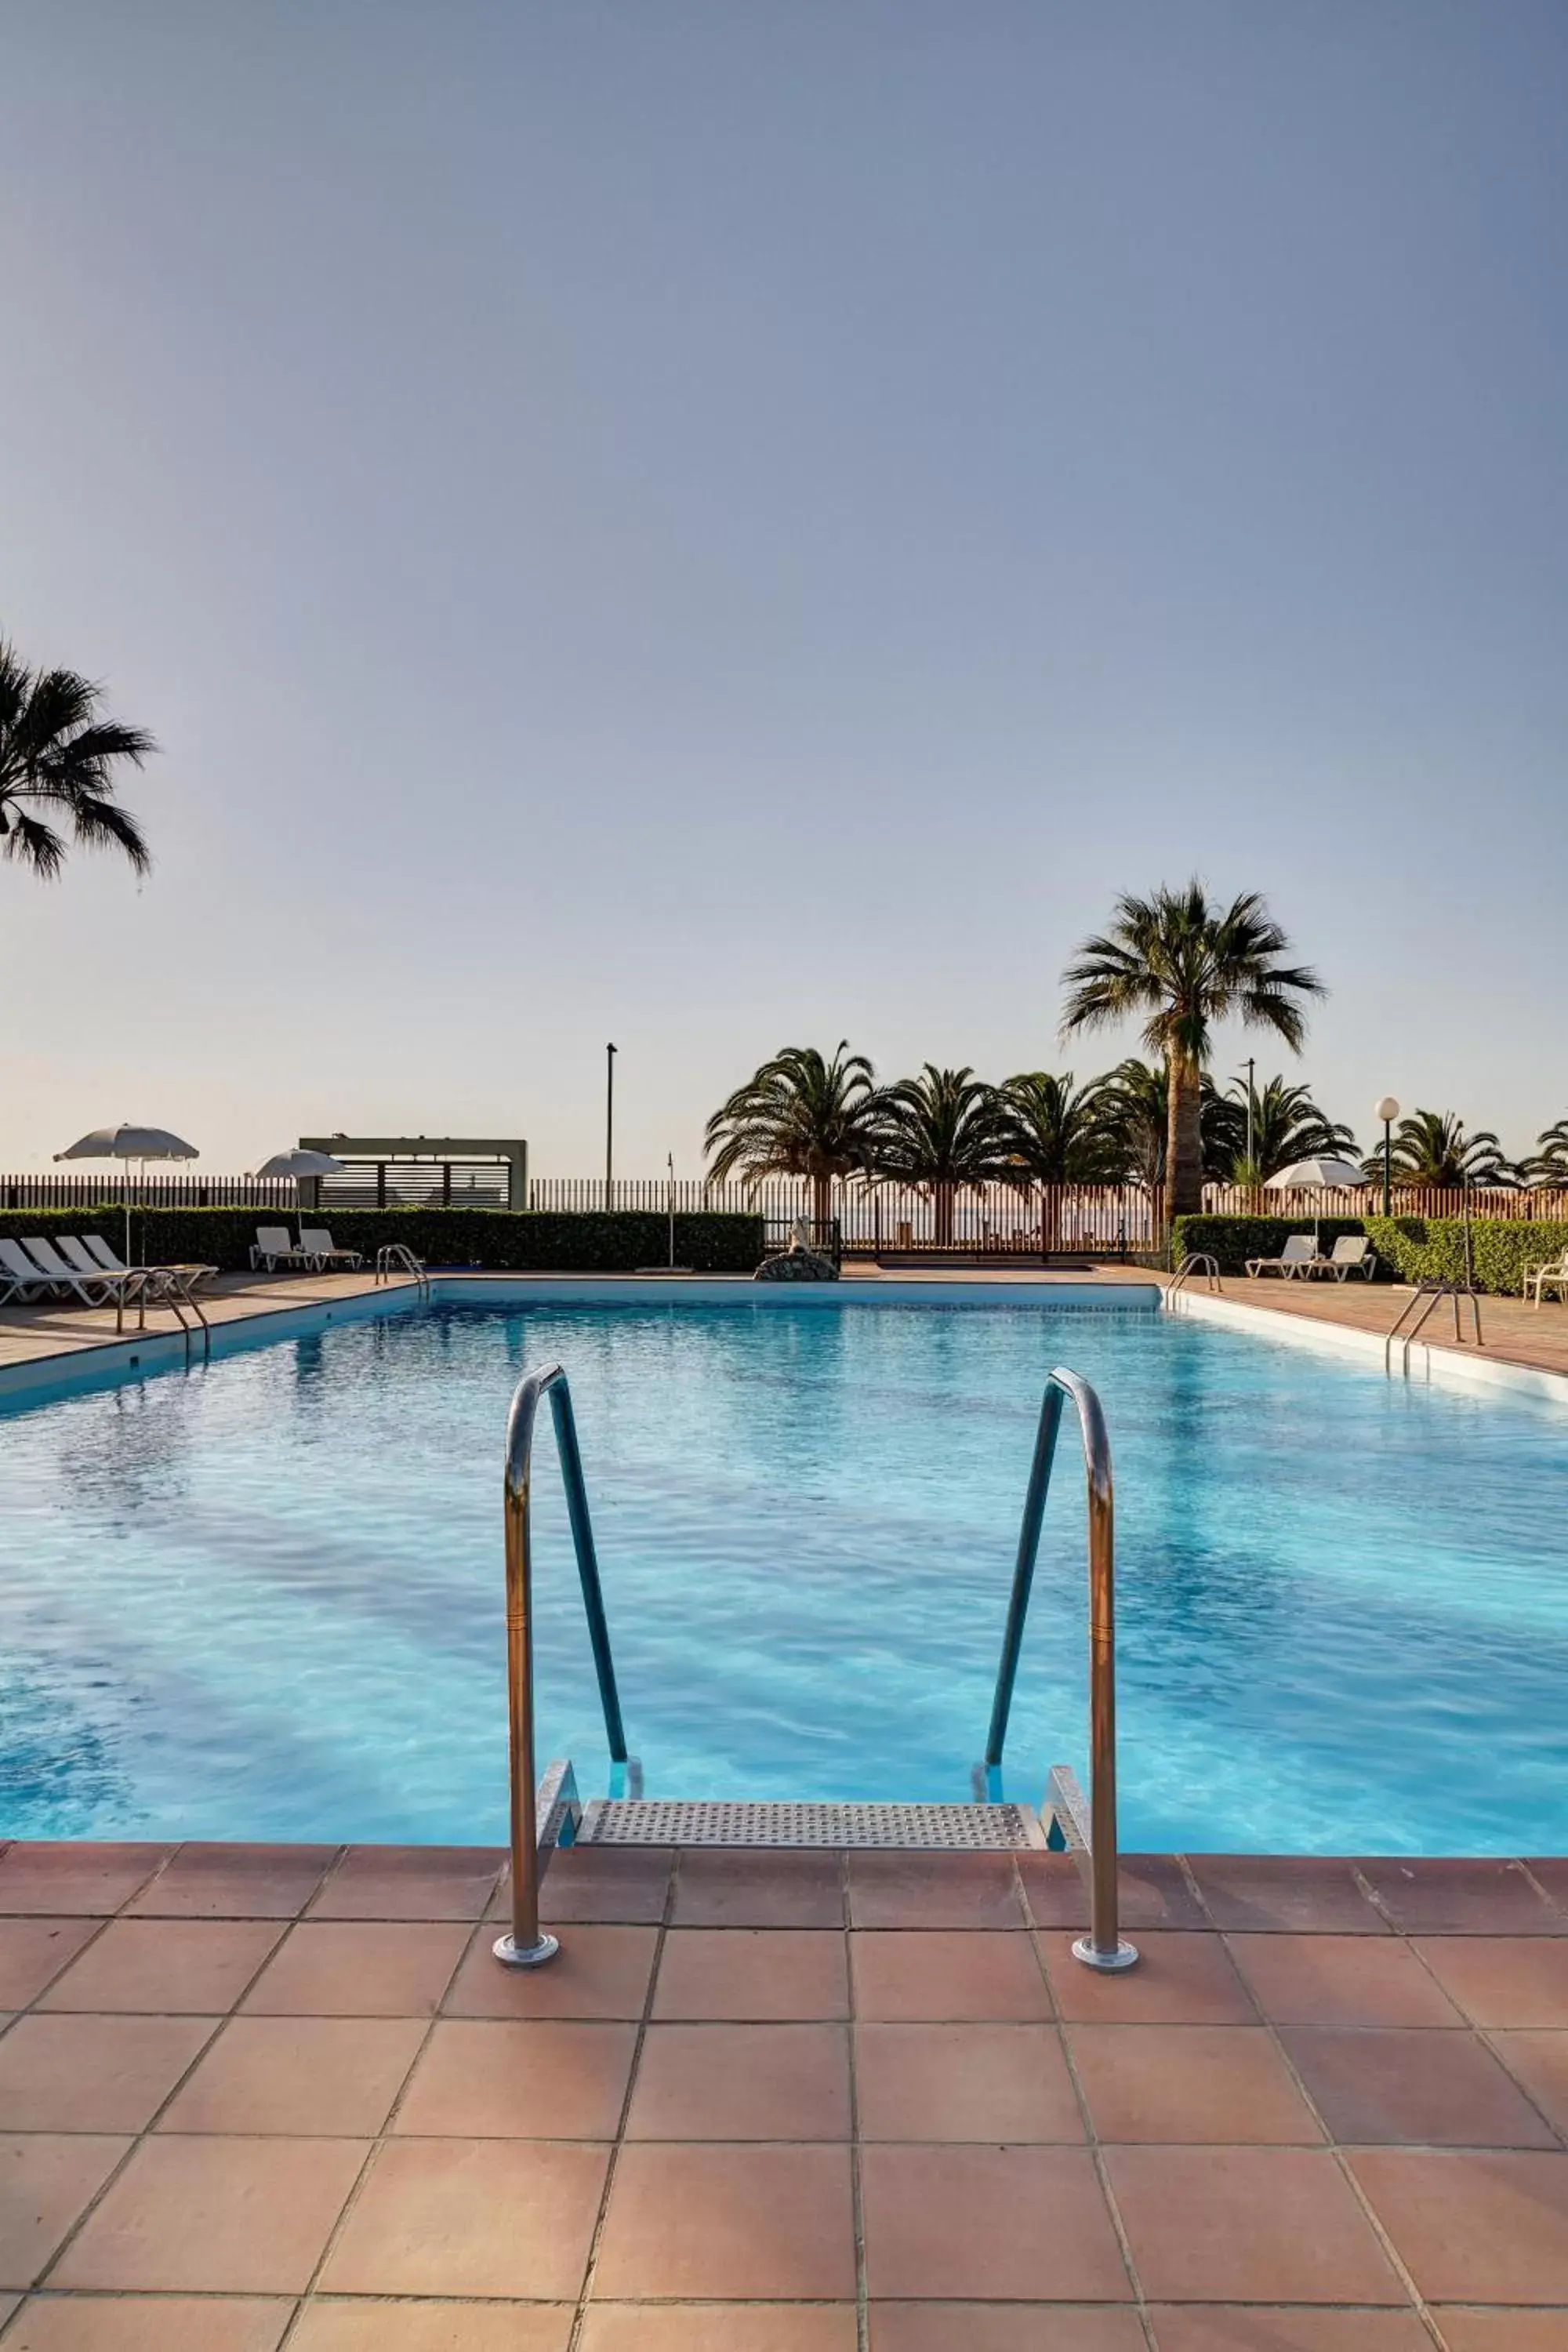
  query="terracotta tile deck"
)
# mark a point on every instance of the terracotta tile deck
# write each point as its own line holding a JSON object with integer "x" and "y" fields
{"x": 259, "y": 2097}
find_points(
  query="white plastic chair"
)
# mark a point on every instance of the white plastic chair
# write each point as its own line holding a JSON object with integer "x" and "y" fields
{"x": 1300, "y": 1254}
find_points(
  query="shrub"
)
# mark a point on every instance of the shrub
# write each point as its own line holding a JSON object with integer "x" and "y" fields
{"x": 1503, "y": 1250}
{"x": 512, "y": 1240}
{"x": 1233, "y": 1240}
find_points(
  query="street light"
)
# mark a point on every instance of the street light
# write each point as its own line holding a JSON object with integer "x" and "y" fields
{"x": 1388, "y": 1111}
{"x": 609, "y": 1124}
{"x": 1251, "y": 1065}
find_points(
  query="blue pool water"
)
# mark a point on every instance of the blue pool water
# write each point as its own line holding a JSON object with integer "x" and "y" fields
{"x": 263, "y": 1598}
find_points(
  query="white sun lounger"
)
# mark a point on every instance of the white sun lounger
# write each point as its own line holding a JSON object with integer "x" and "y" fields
{"x": 97, "y": 1253}
{"x": 1298, "y": 1255}
{"x": 1352, "y": 1253}
{"x": 274, "y": 1246}
{"x": 94, "y": 1289}
{"x": 19, "y": 1277}
{"x": 317, "y": 1243}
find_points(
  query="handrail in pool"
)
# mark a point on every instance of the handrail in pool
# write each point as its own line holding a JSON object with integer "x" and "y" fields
{"x": 396, "y": 1257}
{"x": 1426, "y": 1296}
{"x": 1103, "y": 1948}
{"x": 527, "y": 1946}
{"x": 1202, "y": 1261}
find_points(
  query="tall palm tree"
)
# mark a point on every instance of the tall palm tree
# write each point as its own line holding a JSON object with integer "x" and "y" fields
{"x": 800, "y": 1115}
{"x": 943, "y": 1131}
{"x": 1286, "y": 1126}
{"x": 1432, "y": 1148}
{"x": 1187, "y": 963}
{"x": 58, "y": 760}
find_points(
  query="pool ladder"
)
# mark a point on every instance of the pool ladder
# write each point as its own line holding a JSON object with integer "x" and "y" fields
{"x": 1426, "y": 1296}
{"x": 549, "y": 1813}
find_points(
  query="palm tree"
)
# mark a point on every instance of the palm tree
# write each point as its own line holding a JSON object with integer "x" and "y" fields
{"x": 1051, "y": 1132}
{"x": 1549, "y": 1163}
{"x": 58, "y": 760}
{"x": 800, "y": 1115}
{"x": 1286, "y": 1126}
{"x": 943, "y": 1129}
{"x": 1431, "y": 1147}
{"x": 1136, "y": 1116}
{"x": 1187, "y": 963}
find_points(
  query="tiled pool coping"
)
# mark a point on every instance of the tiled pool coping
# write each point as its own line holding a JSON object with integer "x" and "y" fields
{"x": 252, "y": 2096}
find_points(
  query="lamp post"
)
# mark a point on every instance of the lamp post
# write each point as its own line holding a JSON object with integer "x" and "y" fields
{"x": 1388, "y": 1111}
{"x": 1251, "y": 1065}
{"x": 609, "y": 1125}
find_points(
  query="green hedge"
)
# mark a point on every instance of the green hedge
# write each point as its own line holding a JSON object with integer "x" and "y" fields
{"x": 1233, "y": 1240}
{"x": 500, "y": 1240}
{"x": 1503, "y": 1250}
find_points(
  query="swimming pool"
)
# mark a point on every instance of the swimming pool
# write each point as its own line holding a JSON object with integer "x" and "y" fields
{"x": 262, "y": 1598}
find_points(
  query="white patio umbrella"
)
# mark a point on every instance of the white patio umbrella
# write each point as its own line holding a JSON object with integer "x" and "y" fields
{"x": 125, "y": 1143}
{"x": 1316, "y": 1174}
{"x": 298, "y": 1164}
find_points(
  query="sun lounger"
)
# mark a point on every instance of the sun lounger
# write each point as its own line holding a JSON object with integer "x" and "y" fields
{"x": 317, "y": 1243}
{"x": 94, "y": 1289}
{"x": 274, "y": 1246}
{"x": 19, "y": 1277}
{"x": 1299, "y": 1256}
{"x": 96, "y": 1252}
{"x": 1553, "y": 1276}
{"x": 1352, "y": 1253}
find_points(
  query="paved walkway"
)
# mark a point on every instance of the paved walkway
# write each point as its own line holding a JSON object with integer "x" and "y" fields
{"x": 1511, "y": 1330}
{"x": 31, "y": 1334}
{"x": 253, "y": 2097}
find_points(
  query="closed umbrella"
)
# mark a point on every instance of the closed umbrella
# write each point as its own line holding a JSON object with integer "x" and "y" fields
{"x": 126, "y": 1143}
{"x": 300, "y": 1164}
{"x": 1317, "y": 1174}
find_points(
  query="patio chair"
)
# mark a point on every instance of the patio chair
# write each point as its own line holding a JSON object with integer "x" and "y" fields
{"x": 1298, "y": 1257}
{"x": 1553, "y": 1276}
{"x": 1352, "y": 1253}
{"x": 274, "y": 1246}
{"x": 317, "y": 1243}
{"x": 94, "y": 1288}
{"x": 19, "y": 1277}
{"x": 97, "y": 1251}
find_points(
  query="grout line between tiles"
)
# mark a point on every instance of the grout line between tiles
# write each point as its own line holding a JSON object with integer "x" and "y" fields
{"x": 1091, "y": 2139}
{"x": 580, "y": 2315}
{"x": 380, "y": 2140}
{"x": 856, "y": 2194}
{"x": 138, "y": 2139}
{"x": 1347, "y": 2173}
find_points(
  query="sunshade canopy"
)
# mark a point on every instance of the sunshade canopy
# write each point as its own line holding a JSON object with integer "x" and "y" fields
{"x": 1316, "y": 1174}
{"x": 299, "y": 1163}
{"x": 129, "y": 1142}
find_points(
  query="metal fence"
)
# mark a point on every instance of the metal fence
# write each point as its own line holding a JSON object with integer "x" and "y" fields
{"x": 148, "y": 1192}
{"x": 989, "y": 1219}
{"x": 1542, "y": 1203}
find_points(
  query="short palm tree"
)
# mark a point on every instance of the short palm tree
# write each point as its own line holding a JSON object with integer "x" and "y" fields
{"x": 1286, "y": 1126}
{"x": 943, "y": 1131}
{"x": 58, "y": 762}
{"x": 800, "y": 1114}
{"x": 1052, "y": 1133}
{"x": 1549, "y": 1163}
{"x": 1187, "y": 963}
{"x": 1432, "y": 1148}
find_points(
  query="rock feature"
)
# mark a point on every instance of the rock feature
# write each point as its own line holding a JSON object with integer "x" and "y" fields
{"x": 796, "y": 1265}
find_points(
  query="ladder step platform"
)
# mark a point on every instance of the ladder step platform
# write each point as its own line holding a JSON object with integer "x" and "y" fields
{"x": 645, "y": 1820}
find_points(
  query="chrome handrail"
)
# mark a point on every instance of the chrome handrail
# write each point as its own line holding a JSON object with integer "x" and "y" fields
{"x": 527, "y": 1946}
{"x": 1103, "y": 1948}
{"x": 1426, "y": 1296}
{"x": 1195, "y": 1261}
{"x": 396, "y": 1257}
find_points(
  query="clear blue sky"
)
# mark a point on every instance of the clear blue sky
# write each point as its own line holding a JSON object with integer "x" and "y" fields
{"x": 719, "y": 525}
